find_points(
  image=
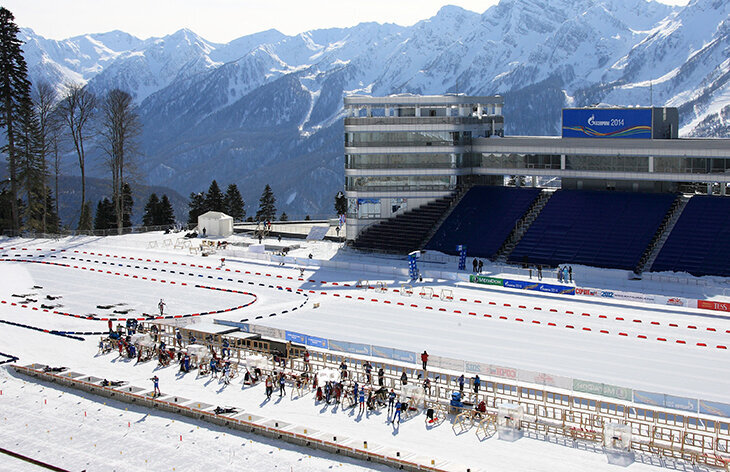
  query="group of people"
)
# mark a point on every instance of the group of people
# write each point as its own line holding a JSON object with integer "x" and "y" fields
{"x": 477, "y": 265}
{"x": 565, "y": 274}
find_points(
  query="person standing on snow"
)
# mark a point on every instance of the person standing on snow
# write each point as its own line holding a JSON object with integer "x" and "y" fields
{"x": 396, "y": 412}
{"x": 156, "y": 381}
{"x": 161, "y": 306}
{"x": 391, "y": 399}
{"x": 476, "y": 383}
{"x": 282, "y": 384}
{"x": 362, "y": 400}
{"x": 269, "y": 387}
{"x": 381, "y": 377}
{"x": 461, "y": 383}
{"x": 424, "y": 359}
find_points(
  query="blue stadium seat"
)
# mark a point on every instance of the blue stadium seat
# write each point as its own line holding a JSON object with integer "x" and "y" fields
{"x": 483, "y": 220}
{"x": 698, "y": 243}
{"x": 599, "y": 228}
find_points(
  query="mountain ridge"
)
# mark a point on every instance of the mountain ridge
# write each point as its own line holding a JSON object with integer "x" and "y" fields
{"x": 267, "y": 107}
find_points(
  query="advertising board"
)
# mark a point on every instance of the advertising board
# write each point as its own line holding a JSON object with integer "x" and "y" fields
{"x": 711, "y": 305}
{"x": 634, "y": 123}
{"x": 483, "y": 279}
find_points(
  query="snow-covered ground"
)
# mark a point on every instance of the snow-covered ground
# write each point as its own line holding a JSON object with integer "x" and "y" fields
{"x": 123, "y": 274}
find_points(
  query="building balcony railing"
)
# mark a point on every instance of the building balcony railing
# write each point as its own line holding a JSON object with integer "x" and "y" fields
{"x": 424, "y": 120}
{"x": 402, "y": 188}
{"x": 461, "y": 142}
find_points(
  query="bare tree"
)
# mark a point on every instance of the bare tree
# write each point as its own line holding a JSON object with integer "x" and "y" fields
{"x": 44, "y": 102}
{"x": 120, "y": 128}
{"x": 77, "y": 111}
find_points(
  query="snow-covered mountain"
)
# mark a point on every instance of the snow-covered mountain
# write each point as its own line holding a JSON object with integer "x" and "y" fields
{"x": 267, "y": 108}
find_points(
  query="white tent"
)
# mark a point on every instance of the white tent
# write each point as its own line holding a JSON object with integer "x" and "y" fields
{"x": 215, "y": 223}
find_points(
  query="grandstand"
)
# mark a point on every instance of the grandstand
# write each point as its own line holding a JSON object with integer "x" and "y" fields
{"x": 483, "y": 220}
{"x": 603, "y": 229}
{"x": 698, "y": 244}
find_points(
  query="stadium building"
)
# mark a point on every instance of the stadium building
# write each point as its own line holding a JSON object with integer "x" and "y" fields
{"x": 429, "y": 172}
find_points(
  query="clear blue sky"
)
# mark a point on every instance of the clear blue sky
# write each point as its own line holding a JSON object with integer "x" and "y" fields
{"x": 221, "y": 20}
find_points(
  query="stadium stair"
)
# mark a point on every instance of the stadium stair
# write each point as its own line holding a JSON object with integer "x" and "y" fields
{"x": 698, "y": 242}
{"x": 522, "y": 225}
{"x": 651, "y": 253}
{"x": 408, "y": 231}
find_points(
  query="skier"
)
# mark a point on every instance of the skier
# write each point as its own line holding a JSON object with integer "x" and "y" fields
{"x": 362, "y": 400}
{"x": 223, "y": 261}
{"x": 282, "y": 384}
{"x": 396, "y": 412}
{"x": 161, "y": 306}
{"x": 424, "y": 359}
{"x": 156, "y": 381}
{"x": 391, "y": 399}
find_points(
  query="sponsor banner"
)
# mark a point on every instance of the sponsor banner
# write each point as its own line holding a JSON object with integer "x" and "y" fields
{"x": 714, "y": 408}
{"x": 245, "y": 327}
{"x": 540, "y": 287}
{"x": 353, "y": 348}
{"x": 296, "y": 337}
{"x": 317, "y": 342}
{"x": 541, "y": 378}
{"x": 483, "y": 279}
{"x": 633, "y": 123}
{"x": 446, "y": 363}
{"x": 680, "y": 403}
{"x": 477, "y": 368}
{"x": 268, "y": 332}
{"x": 712, "y": 305}
{"x": 404, "y": 356}
{"x": 649, "y": 398}
{"x": 384, "y": 352}
{"x": 586, "y": 386}
{"x": 395, "y": 354}
{"x": 630, "y": 296}
{"x": 673, "y": 301}
{"x": 613, "y": 391}
{"x": 503, "y": 372}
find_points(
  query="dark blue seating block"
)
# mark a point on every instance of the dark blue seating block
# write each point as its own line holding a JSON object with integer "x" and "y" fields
{"x": 700, "y": 241}
{"x": 604, "y": 229}
{"x": 483, "y": 220}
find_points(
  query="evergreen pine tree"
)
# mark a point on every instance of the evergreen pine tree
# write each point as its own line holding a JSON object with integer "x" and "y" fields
{"x": 105, "y": 215}
{"x": 166, "y": 214}
{"x": 214, "y": 199}
{"x": 151, "y": 211}
{"x": 85, "y": 219}
{"x": 53, "y": 223}
{"x": 196, "y": 207}
{"x": 14, "y": 93}
{"x": 267, "y": 205}
{"x": 284, "y": 216}
{"x": 127, "y": 204}
{"x": 234, "y": 203}
{"x": 31, "y": 168}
